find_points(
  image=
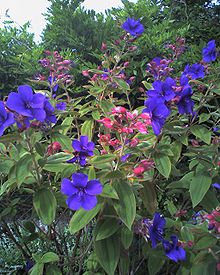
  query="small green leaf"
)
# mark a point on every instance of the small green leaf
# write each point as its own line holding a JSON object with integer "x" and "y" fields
{"x": 126, "y": 237}
{"x": 106, "y": 228}
{"x": 202, "y": 133}
{"x": 59, "y": 158}
{"x": 198, "y": 187}
{"x": 49, "y": 257}
{"x": 106, "y": 106}
{"x": 126, "y": 205}
{"x": 82, "y": 217}
{"x": 108, "y": 252}
{"x": 23, "y": 168}
{"x": 87, "y": 128}
{"x": 102, "y": 159}
{"x": 149, "y": 197}
{"x": 37, "y": 269}
{"x": 53, "y": 270}
{"x": 64, "y": 140}
{"x": 45, "y": 205}
{"x": 109, "y": 192}
{"x": 155, "y": 263}
{"x": 67, "y": 123}
{"x": 205, "y": 242}
{"x": 163, "y": 164}
{"x": 204, "y": 117}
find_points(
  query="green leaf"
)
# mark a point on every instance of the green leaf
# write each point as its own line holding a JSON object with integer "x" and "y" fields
{"x": 109, "y": 192}
{"x": 64, "y": 140}
{"x": 198, "y": 187}
{"x": 186, "y": 234}
{"x": 108, "y": 252}
{"x": 82, "y": 217}
{"x": 67, "y": 123}
{"x": 29, "y": 226}
{"x": 95, "y": 115}
{"x": 49, "y": 257}
{"x": 106, "y": 228}
{"x": 205, "y": 242}
{"x": 87, "y": 128}
{"x": 59, "y": 158}
{"x": 23, "y": 168}
{"x": 92, "y": 173}
{"x": 57, "y": 167}
{"x": 53, "y": 270}
{"x": 163, "y": 164}
{"x": 126, "y": 205}
{"x": 155, "y": 263}
{"x": 45, "y": 205}
{"x": 37, "y": 269}
{"x": 204, "y": 117}
{"x": 149, "y": 197}
{"x": 102, "y": 159}
{"x": 126, "y": 237}
{"x": 202, "y": 133}
{"x": 106, "y": 106}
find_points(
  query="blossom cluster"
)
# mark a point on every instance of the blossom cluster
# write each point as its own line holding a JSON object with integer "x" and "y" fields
{"x": 178, "y": 91}
{"x": 153, "y": 230}
{"x": 58, "y": 69}
{"x": 123, "y": 121}
{"x": 25, "y": 106}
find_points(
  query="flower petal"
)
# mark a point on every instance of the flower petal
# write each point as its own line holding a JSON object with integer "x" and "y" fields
{"x": 74, "y": 202}
{"x": 25, "y": 92}
{"x": 39, "y": 114}
{"x": 94, "y": 187}
{"x": 88, "y": 202}
{"x": 79, "y": 180}
{"x": 76, "y": 145}
{"x": 38, "y": 101}
{"x": 15, "y": 103}
{"x": 68, "y": 188}
{"x": 84, "y": 141}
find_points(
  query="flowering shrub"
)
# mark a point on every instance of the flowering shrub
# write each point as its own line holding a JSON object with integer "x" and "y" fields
{"x": 135, "y": 173}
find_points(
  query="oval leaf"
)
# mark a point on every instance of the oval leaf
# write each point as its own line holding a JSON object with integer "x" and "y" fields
{"x": 126, "y": 205}
{"x": 45, "y": 205}
{"x": 82, "y": 217}
{"x": 108, "y": 252}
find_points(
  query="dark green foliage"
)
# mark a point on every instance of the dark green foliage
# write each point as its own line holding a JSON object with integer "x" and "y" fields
{"x": 18, "y": 56}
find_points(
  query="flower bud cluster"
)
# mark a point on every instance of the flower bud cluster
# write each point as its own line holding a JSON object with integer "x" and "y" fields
{"x": 126, "y": 122}
{"x": 214, "y": 220}
{"x": 58, "y": 68}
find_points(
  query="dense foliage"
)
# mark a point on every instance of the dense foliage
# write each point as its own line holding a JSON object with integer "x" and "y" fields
{"x": 111, "y": 166}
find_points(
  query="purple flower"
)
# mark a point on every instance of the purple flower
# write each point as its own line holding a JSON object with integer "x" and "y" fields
{"x": 173, "y": 250}
{"x": 156, "y": 230}
{"x": 158, "y": 112}
{"x": 51, "y": 81}
{"x": 83, "y": 149}
{"x": 132, "y": 26}
{"x": 209, "y": 53}
{"x": 81, "y": 192}
{"x": 159, "y": 67}
{"x": 125, "y": 157}
{"x": 195, "y": 71}
{"x": 6, "y": 118}
{"x": 49, "y": 110}
{"x": 185, "y": 104}
{"x": 216, "y": 185}
{"x": 61, "y": 106}
{"x": 184, "y": 80}
{"x": 163, "y": 89}
{"x": 27, "y": 104}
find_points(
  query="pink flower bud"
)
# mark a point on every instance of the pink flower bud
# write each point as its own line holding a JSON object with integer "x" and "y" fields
{"x": 103, "y": 47}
